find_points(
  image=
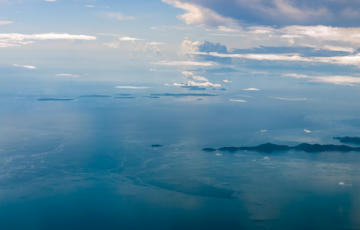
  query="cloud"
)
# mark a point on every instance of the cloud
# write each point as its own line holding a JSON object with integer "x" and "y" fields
{"x": 237, "y": 100}
{"x": 263, "y": 131}
{"x": 185, "y": 63}
{"x": 129, "y": 39}
{"x": 307, "y": 131}
{"x": 266, "y": 158}
{"x": 89, "y": 6}
{"x": 343, "y": 184}
{"x": 191, "y": 75}
{"x": 289, "y": 99}
{"x": 218, "y": 154}
{"x": 324, "y": 33}
{"x": 251, "y": 89}
{"x": 338, "y": 60}
{"x": 338, "y": 80}
{"x": 155, "y": 43}
{"x": 67, "y": 75}
{"x": 198, "y": 15}
{"x": 227, "y": 81}
{"x": 118, "y": 16}
{"x": 192, "y": 83}
{"x": 131, "y": 87}
{"x": 25, "y": 66}
{"x": 13, "y": 39}
{"x": 5, "y": 22}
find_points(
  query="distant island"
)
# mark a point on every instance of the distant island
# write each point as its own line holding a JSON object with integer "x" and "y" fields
{"x": 354, "y": 140}
{"x": 185, "y": 94}
{"x": 94, "y": 96}
{"x": 269, "y": 148}
{"x": 193, "y": 87}
{"x": 55, "y": 99}
{"x": 156, "y": 145}
{"x": 125, "y": 97}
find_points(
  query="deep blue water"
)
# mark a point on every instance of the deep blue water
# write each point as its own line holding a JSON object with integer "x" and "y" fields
{"x": 88, "y": 164}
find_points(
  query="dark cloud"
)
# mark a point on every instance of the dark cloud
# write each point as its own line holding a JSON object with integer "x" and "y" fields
{"x": 342, "y": 13}
{"x": 214, "y": 47}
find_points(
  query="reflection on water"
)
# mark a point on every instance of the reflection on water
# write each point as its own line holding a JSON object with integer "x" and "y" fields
{"x": 88, "y": 164}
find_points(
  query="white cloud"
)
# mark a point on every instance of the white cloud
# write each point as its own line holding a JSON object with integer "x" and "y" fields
{"x": 338, "y": 48}
{"x": 338, "y": 60}
{"x": 155, "y": 43}
{"x": 67, "y": 75}
{"x": 119, "y": 16}
{"x": 199, "y": 15}
{"x": 338, "y": 80}
{"x": 237, "y": 100}
{"x": 191, "y": 83}
{"x": 26, "y": 66}
{"x": 218, "y": 154}
{"x": 192, "y": 76}
{"x": 289, "y": 99}
{"x": 263, "y": 131}
{"x": 325, "y": 33}
{"x": 129, "y": 39}
{"x": 89, "y": 6}
{"x": 131, "y": 87}
{"x": 266, "y": 158}
{"x": 251, "y": 89}
{"x": 13, "y": 39}
{"x": 5, "y": 22}
{"x": 307, "y": 131}
{"x": 227, "y": 81}
{"x": 343, "y": 184}
{"x": 185, "y": 63}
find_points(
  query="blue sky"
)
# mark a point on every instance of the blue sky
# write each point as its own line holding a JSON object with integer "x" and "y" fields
{"x": 181, "y": 42}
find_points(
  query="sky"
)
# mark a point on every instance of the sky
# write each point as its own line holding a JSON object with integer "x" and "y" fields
{"x": 174, "y": 43}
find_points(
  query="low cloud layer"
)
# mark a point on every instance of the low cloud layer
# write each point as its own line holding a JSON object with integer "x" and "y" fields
{"x": 13, "y": 39}
{"x": 338, "y": 80}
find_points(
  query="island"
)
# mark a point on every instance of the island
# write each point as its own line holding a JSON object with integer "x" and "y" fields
{"x": 94, "y": 96}
{"x": 305, "y": 147}
{"x": 184, "y": 95}
{"x": 125, "y": 97}
{"x": 354, "y": 140}
{"x": 55, "y": 99}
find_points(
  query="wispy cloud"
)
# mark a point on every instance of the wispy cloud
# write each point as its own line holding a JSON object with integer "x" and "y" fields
{"x": 338, "y": 60}
{"x": 26, "y": 66}
{"x": 118, "y": 16}
{"x": 338, "y": 80}
{"x": 13, "y": 39}
{"x": 89, "y": 6}
{"x": 192, "y": 83}
{"x": 5, "y": 22}
{"x": 67, "y": 75}
{"x": 252, "y": 89}
{"x": 131, "y": 87}
{"x": 185, "y": 63}
{"x": 307, "y": 131}
{"x": 198, "y": 15}
{"x": 129, "y": 39}
{"x": 237, "y": 100}
{"x": 289, "y": 99}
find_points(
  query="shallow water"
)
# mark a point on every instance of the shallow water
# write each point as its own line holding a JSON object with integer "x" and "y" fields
{"x": 89, "y": 164}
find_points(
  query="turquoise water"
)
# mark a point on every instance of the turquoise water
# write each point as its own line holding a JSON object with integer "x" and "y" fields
{"x": 88, "y": 164}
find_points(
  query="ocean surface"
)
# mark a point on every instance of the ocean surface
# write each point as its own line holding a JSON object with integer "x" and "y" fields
{"x": 88, "y": 163}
